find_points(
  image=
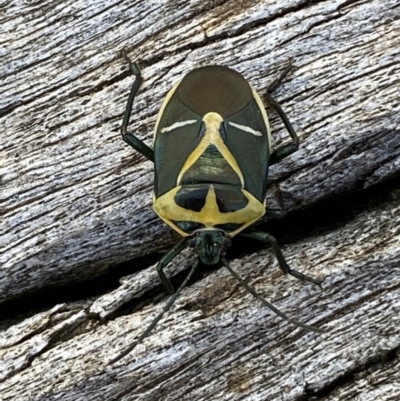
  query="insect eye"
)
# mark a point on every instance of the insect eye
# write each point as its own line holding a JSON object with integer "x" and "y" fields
{"x": 191, "y": 242}
{"x": 227, "y": 242}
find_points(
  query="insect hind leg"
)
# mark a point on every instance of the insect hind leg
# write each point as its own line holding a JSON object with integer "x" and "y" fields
{"x": 129, "y": 138}
{"x": 278, "y": 81}
{"x": 285, "y": 150}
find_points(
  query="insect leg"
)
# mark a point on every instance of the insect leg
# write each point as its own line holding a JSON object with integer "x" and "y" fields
{"x": 253, "y": 292}
{"x": 284, "y": 150}
{"x": 272, "y": 213}
{"x": 158, "y": 317}
{"x": 278, "y": 81}
{"x": 268, "y": 238}
{"x": 129, "y": 138}
{"x": 165, "y": 260}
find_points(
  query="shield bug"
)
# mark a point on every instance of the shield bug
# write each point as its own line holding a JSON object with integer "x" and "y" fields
{"x": 212, "y": 151}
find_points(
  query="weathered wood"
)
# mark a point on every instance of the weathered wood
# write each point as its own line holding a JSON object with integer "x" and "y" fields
{"x": 219, "y": 342}
{"x": 75, "y": 201}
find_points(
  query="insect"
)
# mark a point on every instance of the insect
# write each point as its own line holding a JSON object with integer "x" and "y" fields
{"x": 212, "y": 151}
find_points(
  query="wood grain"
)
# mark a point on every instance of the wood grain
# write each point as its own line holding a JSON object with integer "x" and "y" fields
{"x": 75, "y": 202}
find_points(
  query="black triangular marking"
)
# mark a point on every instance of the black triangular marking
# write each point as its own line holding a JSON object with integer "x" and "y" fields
{"x": 211, "y": 168}
{"x": 192, "y": 198}
{"x": 230, "y": 199}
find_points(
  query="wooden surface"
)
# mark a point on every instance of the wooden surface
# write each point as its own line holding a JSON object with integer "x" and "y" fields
{"x": 75, "y": 202}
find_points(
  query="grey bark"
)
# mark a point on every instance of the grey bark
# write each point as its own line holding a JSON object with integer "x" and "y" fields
{"x": 75, "y": 202}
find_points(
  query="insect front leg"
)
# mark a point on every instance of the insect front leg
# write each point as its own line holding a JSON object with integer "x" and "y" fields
{"x": 129, "y": 138}
{"x": 268, "y": 238}
{"x": 165, "y": 260}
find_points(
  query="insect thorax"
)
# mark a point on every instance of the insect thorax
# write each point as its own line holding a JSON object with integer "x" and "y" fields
{"x": 209, "y": 191}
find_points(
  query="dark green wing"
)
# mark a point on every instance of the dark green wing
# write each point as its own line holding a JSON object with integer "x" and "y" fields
{"x": 249, "y": 149}
{"x": 211, "y": 89}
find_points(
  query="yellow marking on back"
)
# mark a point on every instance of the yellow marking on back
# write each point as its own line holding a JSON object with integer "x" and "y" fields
{"x": 164, "y": 105}
{"x": 167, "y": 209}
{"x": 245, "y": 128}
{"x": 212, "y": 136}
{"x": 265, "y": 117}
{"x": 176, "y": 125}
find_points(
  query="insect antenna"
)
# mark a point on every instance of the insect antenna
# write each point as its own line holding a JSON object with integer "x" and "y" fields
{"x": 158, "y": 317}
{"x": 253, "y": 292}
